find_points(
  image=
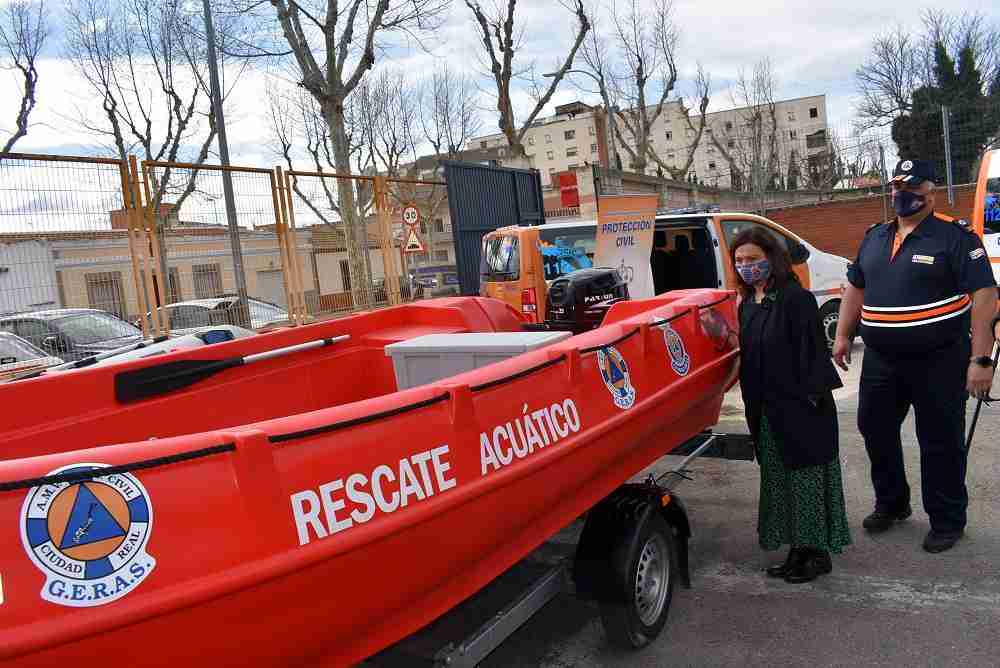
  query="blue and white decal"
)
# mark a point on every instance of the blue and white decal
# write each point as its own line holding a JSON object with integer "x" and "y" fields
{"x": 88, "y": 538}
{"x": 680, "y": 360}
{"x": 615, "y": 374}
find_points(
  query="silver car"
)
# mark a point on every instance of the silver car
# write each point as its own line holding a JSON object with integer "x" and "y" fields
{"x": 17, "y": 355}
{"x": 193, "y": 314}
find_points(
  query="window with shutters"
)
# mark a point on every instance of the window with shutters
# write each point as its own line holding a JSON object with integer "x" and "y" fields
{"x": 104, "y": 292}
{"x": 207, "y": 280}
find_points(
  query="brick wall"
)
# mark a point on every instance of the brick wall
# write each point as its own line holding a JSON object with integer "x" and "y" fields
{"x": 838, "y": 227}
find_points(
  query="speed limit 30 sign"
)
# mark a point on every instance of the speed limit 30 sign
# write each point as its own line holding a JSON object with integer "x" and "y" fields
{"x": 411, "y": 216}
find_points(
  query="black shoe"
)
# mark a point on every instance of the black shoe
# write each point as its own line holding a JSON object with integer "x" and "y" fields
{"x": 881, "y": 520}
{"x": 816, "y": 563}
{"x": 939, "y": 541}
{"x": 783, "y": 569}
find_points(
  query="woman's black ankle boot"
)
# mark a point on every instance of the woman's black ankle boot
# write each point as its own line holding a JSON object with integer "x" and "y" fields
{"x": 783, "y": 569}
{"x": 813, "y": 564}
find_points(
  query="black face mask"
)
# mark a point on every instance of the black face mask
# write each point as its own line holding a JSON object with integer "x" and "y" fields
{"x": 907, "y": 203}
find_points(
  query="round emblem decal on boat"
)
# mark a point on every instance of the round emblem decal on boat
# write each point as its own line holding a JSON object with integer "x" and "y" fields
{"x": 717, "y": 330}
{"x": 614, "y": 372}
{"x": 680, "y": 361}
{"x": 88, "y": 537}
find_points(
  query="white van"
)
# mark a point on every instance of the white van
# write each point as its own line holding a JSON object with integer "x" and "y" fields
{"x": 519, "y": 263}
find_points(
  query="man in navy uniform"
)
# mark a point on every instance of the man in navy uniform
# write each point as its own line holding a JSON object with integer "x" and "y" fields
{"x": 919, "y": 284}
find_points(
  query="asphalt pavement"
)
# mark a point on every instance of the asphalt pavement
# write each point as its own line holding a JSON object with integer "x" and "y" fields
{"x": 887, "y": 602}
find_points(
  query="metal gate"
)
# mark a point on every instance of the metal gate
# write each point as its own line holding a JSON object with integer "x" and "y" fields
{"x": 482, "y": 199}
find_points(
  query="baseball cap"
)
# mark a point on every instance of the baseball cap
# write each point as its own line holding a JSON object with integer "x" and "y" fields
{"x": 913, "y": 172}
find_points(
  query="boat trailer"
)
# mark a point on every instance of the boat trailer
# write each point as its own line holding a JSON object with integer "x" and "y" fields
{"x": 581, "y": 561}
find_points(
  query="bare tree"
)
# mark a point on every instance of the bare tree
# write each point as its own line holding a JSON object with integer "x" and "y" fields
{"x": 695, "y": 133}
{"x": 299, "y": 130}
{"x": 334, "y": 48}
{"x": 758, "y": 156}
{"x": 449, "y": 115}
{"x": 970, "y": 30}
{"x": 147, "y": 64}
{"x": 601, "y": 69}
{"x": 501, "y": 44}
{"x": 647, "y": 41}
{"x": 901, "y": 62}
{"x": 23, "y": 30}
{"x": 390, "y": 112}
{"x": 888, "y": 78}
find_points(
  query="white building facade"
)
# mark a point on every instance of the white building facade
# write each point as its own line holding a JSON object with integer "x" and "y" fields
{"x": 785, "y": 136}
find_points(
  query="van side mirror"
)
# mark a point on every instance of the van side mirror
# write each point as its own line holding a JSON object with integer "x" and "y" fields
{"x": 798, "y": 252}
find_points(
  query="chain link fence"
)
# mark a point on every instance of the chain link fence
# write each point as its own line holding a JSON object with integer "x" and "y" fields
{"x": 173, "y": 247}
{"x": 218, "y": 270}
{"x": 70, "y": 272}
{"x": 345, "y": 224}
{"x": 421, "y": 225}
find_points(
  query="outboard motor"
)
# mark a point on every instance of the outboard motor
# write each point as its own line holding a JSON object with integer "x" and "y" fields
{"x": 578, "y": 300}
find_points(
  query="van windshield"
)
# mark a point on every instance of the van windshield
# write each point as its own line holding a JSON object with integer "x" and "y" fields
{"x": 501, "y": 260}
{"x": 566, "y": 250}
{"x": 991, "y": 207}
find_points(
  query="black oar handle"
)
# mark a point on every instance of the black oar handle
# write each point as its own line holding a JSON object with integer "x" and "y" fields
{"x": 166, "y": 377}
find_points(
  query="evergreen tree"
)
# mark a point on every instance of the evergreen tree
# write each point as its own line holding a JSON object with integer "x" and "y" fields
{"x": 973, "y": 116}
{"x": 969, "y": 81}
{"x": 944, "y": 71}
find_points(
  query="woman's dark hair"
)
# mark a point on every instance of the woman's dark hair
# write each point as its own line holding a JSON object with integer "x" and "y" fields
{"x": 777, "y": 255}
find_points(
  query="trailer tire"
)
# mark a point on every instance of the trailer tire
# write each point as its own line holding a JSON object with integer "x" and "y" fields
{"x": 646, "y": 563}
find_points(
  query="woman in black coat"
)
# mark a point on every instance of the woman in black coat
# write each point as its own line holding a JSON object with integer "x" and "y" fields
{"x": 787, "y": 378}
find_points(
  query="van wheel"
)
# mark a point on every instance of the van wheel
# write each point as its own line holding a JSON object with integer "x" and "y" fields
{"x": 648, "y": 563}
{"x": 828, "y": 316}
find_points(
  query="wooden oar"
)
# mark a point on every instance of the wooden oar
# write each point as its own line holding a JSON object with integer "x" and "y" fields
{"x": 169, "y": 376}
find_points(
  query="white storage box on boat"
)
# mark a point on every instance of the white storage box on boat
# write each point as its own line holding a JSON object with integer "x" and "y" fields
{"x": 426, "y": 359}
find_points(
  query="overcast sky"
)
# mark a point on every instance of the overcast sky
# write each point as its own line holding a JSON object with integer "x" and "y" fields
{"x": 815, "y": 46}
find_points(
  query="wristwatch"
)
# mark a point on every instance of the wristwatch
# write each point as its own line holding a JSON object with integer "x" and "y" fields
{"x": 982, "y": 361}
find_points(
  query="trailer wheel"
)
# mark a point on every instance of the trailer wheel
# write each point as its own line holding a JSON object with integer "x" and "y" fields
{"x": 647, "y": 566}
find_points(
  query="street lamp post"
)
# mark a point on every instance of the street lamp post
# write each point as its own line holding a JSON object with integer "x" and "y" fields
{"x": 609, "y": 119}
{"x": 242, "y": 310}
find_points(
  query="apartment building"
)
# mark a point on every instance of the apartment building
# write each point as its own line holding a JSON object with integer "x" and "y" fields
{"x": 788, "y": 138}
{"x": 576, "y": 136}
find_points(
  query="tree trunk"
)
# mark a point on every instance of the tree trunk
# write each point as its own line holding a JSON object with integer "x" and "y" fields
{"x": 355, "y": 229}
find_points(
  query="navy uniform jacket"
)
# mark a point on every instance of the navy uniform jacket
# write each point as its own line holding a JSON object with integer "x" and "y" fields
{"x": 918, "y": 301}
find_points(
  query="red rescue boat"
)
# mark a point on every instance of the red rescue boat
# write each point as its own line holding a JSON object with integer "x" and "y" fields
{"x": 300, "y": 510}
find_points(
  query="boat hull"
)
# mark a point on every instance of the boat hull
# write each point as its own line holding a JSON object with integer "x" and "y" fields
{"x": 320, "y": 539}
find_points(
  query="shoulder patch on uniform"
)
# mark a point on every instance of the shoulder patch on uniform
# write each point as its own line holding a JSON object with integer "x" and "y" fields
{"x": 977, "y": 253}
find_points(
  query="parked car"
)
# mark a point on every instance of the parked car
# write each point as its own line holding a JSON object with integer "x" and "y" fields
{"x": 378, "y": 289}
{"x": 18, "y": 355}
{"x": 196, "y": 313}
{"x": 71, "y": 333}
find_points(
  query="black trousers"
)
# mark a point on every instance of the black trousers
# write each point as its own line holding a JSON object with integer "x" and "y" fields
{"x": 935, "y": 386}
